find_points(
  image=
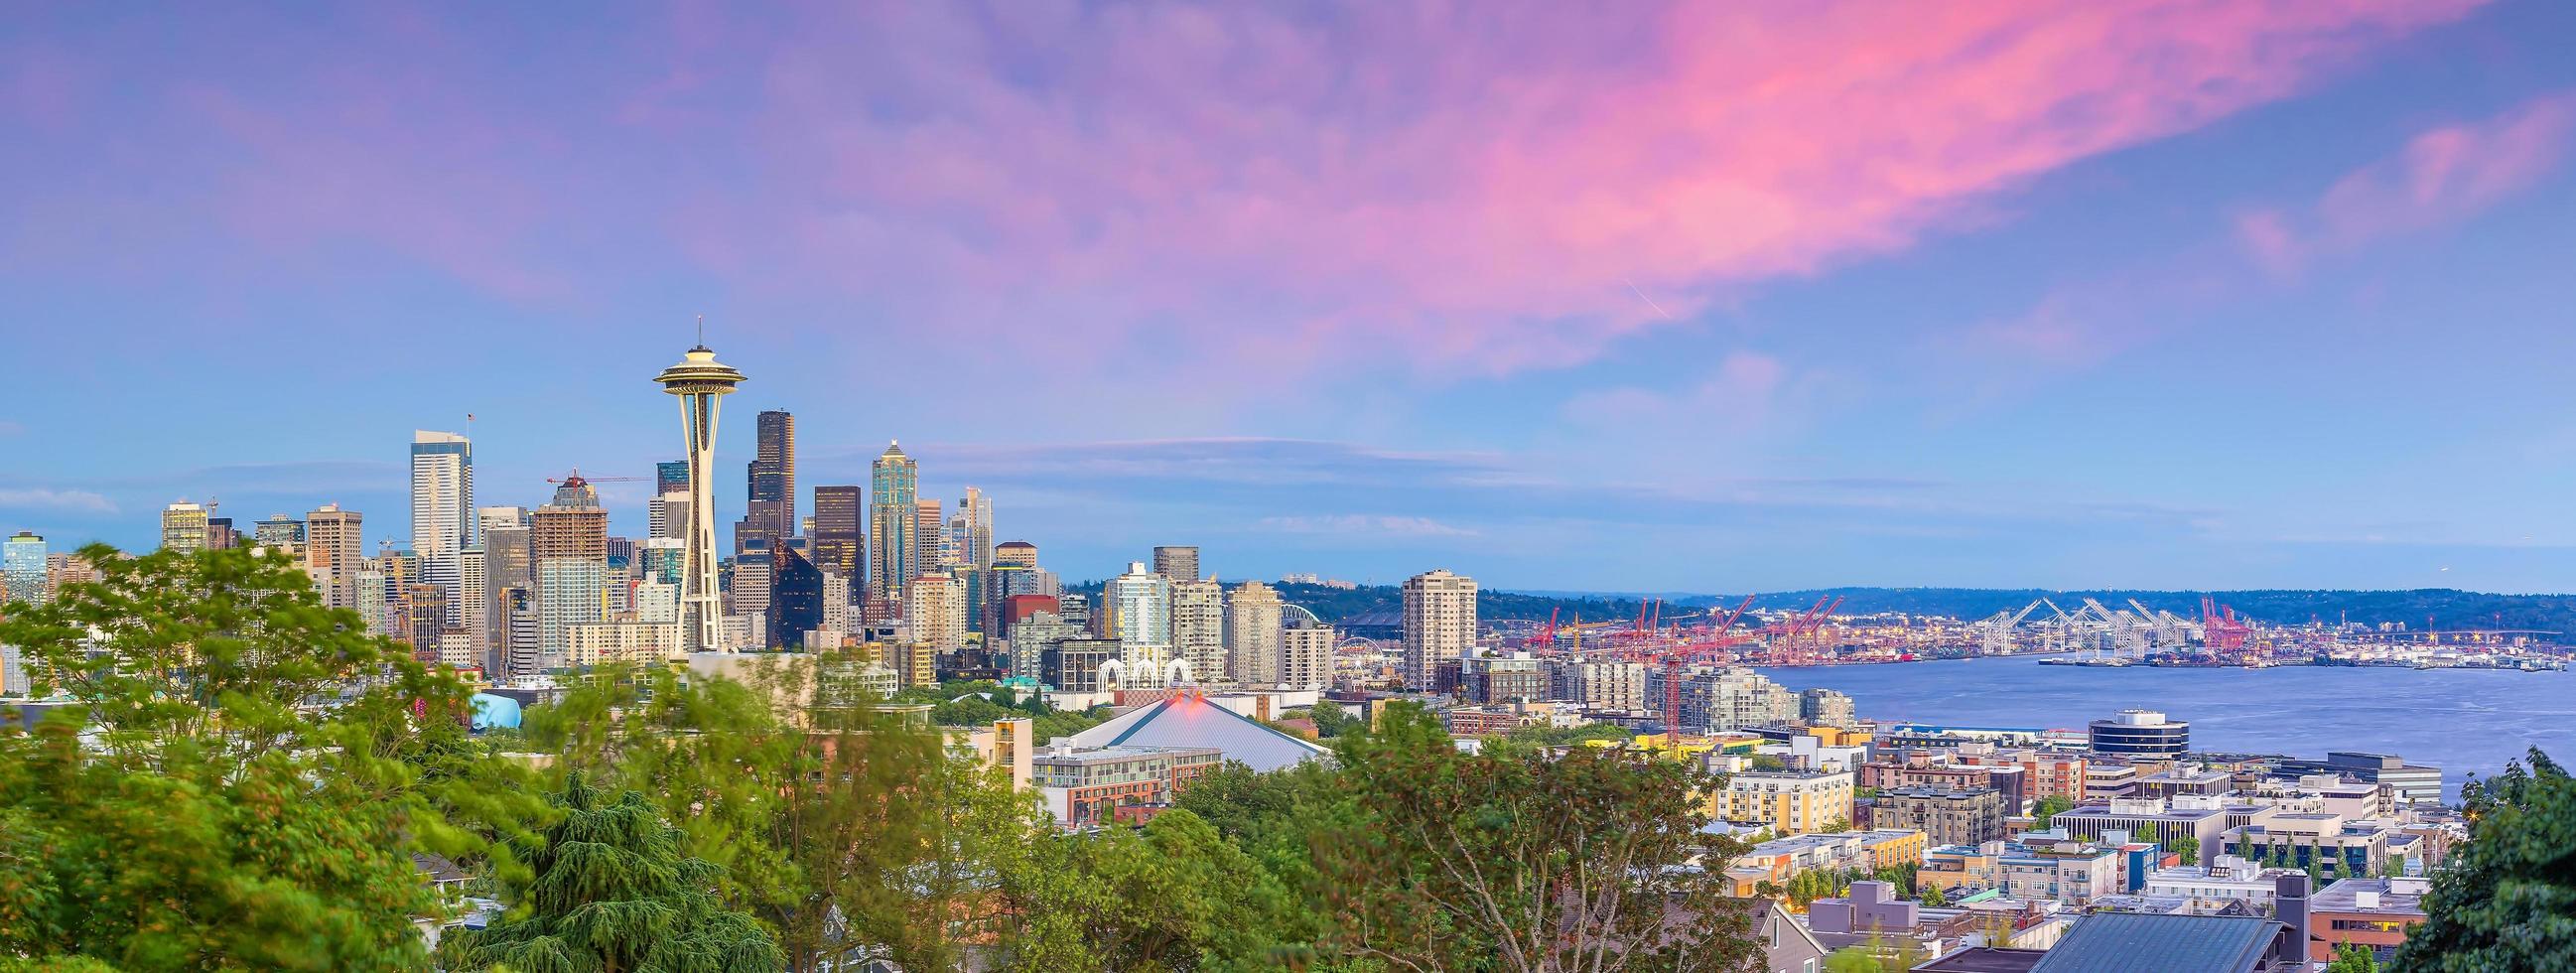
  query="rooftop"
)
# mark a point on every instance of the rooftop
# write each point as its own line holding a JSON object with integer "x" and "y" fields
{"x": 1985, "y": 959}
{"x": 2389, "y": 896}
{"x": 2141, "y": 942}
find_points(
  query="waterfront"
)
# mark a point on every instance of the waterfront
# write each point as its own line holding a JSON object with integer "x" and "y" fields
{"x": 2465, "y": 720}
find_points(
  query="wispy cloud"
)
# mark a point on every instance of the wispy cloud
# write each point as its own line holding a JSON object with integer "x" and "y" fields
{"x": 1366, "y": 524}
{"x": 1468, "y": 189}
{"x": 2443, "y": 175}
{"x": 40, "y": 498}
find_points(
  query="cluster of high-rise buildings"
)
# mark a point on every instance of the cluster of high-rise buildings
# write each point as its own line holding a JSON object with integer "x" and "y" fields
{"x": 519, "y": 592}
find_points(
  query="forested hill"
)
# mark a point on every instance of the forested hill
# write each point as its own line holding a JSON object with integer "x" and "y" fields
{"x": 2448, "y": 608}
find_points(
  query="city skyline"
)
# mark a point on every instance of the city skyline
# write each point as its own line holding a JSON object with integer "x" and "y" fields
{"x": 2247, "y": 296}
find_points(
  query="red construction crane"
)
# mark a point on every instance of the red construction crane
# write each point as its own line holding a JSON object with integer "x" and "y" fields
{"x": 1674, "y": 657}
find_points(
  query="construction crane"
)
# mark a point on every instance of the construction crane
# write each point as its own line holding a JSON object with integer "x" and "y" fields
{"x": 576, "y": 479}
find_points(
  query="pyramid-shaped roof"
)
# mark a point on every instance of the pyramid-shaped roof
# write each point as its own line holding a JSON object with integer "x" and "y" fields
{"x": 1189, "y": 720}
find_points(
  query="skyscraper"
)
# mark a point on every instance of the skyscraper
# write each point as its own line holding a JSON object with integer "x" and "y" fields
{"x": 935, "y": 612}
{"x": 930, "y": 550}
{"x": 1198, "y": 629}
{"x": 893, "y": 484}
{"x": 183, "y": 527}
{"x": 568, "y": 545}
{"x": 670, "y": 493}
{"x": 976, "y": 510}
{"x": 332, "y": 553}
{"x": 1138, "y": 606}
{"x": 1439, "y": 622}
{"x": 701, "y": 385}
{"x": 795, "y": 597}
{"x": 1306, "y": 656}
{"x": 1177, "y": 563}
{"x": 279, "y": 530}
{"x": 508, "y": 562}
{"x": 22, "y": 568}
{"x": 1252, "y": 633}
{"x": 840, "y": 539}
{"x": 442, "y": 506}
{"x": 770, "y": 513}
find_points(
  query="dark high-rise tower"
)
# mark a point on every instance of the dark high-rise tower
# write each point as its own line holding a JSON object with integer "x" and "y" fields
{"x": 795, "y": 597}
{"x": 840, "y": 534}
{"x": 772, "y": 508}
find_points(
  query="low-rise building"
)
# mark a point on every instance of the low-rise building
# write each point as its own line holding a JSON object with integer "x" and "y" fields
{"x": 2312, "y": 841}
{"x": 2230, "y": 881}
{"x": 1789, "y": 802}
{"x": 2407, "y": 783}
{"x": 1946, "y": 816}
{"x": 1086, "y": 788}
{"x": 2373, "y": 913}
{"x": 2152, "y": 819}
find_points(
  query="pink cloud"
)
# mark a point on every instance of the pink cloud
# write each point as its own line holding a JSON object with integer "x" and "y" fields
{"x": 1464, "y": 186}
{"x": 2441, "y": 176}
{"x": 1244, "y": 190}
{"x": 1743, "y": 394}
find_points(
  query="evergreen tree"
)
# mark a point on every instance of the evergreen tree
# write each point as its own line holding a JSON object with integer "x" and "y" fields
{"x": 611, "y": 892}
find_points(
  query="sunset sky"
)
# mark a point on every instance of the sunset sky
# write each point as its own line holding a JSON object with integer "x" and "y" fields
{"x": 1704, "y": 297}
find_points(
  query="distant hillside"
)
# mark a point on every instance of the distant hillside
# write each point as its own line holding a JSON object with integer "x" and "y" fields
{"x": 2448, "y": 608}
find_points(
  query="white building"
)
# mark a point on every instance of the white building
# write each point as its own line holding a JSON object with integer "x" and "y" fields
{"x": 1198, "y": 629}
{"x": 1139, "y": 608}
{"x": 1306, "y": 657}
{"x": 1439, "y": 622}
{"x": 442, "y": 522}
{"x": 934, "y": 611}
{"x": 1252, "y": 634}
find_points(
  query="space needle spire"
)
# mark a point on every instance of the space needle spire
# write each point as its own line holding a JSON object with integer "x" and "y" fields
{"x": 701, "y": 383}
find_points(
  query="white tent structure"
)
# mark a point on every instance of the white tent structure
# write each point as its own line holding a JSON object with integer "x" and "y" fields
{"x": 1187, "y": 719}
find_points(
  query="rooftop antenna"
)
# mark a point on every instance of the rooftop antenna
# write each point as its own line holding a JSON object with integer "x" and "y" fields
{"x": 702, "y": 331}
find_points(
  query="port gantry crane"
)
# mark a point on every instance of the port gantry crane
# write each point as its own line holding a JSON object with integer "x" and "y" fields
{"x": 1715, "y": 641}
{"x": 1786, "y": 645}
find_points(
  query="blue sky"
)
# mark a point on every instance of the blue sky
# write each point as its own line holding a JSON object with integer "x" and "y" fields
{"x": 2142, "y": 294}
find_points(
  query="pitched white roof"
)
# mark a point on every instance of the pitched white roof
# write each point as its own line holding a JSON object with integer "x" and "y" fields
{"x": 1188, "y": 720}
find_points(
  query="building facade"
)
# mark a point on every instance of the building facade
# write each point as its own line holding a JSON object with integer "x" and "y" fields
{"x": 1252, "y": 634}
{"x": 1948, "y": 817}
{"x": 1439, "y": 623}
{"x": 442, "y": 513}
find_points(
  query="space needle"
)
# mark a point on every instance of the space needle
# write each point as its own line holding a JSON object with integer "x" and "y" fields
{"x": 701, "y": 382}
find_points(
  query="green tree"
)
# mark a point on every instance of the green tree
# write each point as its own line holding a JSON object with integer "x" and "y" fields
{"x": 611, "y": 891}
{"x": 1331, "y": 720}
{"x": 845, "y": 828}
{"x": 2050, "y": 807}
{"x": 2507, "y": 899}
{"x": 1513, "y": 860}
{"x": 1174, "y": 895}
{"x": 1934, "y": 897}
{"x": 2353, "y": 958}
{"x": 2187, "y": 847}
{"x": 243, "y": 780}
